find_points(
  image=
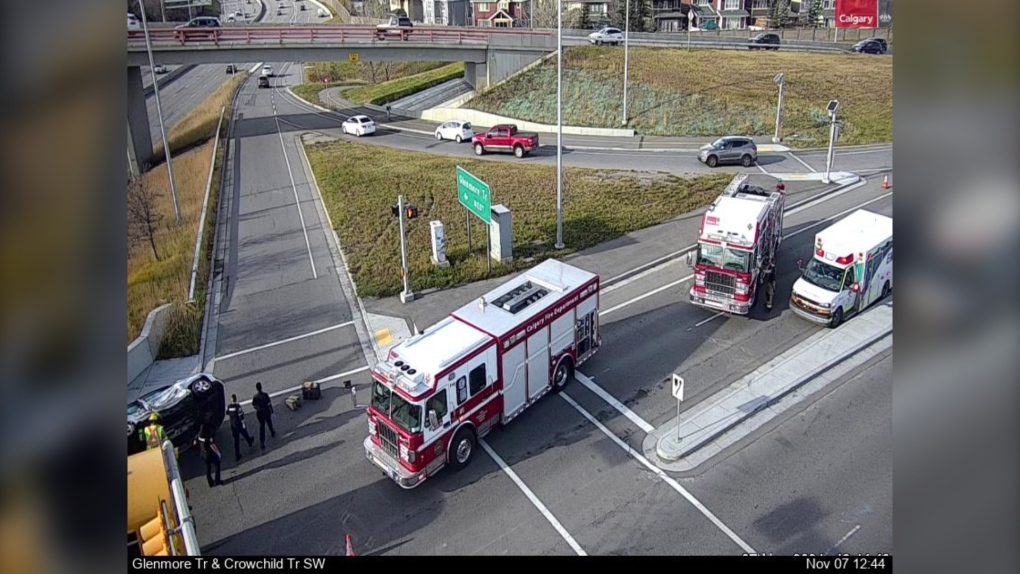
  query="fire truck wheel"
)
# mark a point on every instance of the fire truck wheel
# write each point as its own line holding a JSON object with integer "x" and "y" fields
{"x": 463, "y": 447}
{"x": 837, "y": 318}
{"x": 885, "y": 290}
{"x": 564, "y": 372}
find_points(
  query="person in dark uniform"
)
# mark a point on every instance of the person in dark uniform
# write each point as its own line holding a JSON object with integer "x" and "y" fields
{"x": 211, "y": 453}
{"x": 237, "y": 426}
{"x": 263, "y": 406}
{"x": 770, "y": 283}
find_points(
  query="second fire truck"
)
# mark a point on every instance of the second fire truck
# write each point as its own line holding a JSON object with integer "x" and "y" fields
{"x": 439, "y": 392}
{"x": 739, "y": 236}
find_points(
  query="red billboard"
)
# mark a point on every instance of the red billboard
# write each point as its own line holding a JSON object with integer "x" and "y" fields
{"x": 857, "y": 13}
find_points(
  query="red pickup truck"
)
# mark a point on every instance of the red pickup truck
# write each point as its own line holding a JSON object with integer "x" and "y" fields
{"x": 505, "y": 138}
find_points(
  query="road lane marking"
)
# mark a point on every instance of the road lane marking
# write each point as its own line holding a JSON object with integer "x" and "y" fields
{"x": 802, "y": 162}
{"x": 297, "y": 200}
{"x": 534, "y": 499}
{"x": 301, "y": 386}
{"x": 634, "y": 418}
{"x": 787, "y": 236}
{"x": 285, "y": 341}
{"x": 844, "y": 539}
{"x": 661, "y": 474}
{"x": 762, "y": 169}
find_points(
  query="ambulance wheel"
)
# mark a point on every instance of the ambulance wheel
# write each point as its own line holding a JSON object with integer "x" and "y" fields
{"x": 837, "y": 318}
{"x": 885, "y": 290}
{"x": 462, "y": 448}
{"x": 564, "y": 372}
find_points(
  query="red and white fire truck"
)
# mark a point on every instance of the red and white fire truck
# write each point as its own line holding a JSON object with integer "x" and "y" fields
{"x": 739, "y": 235}
{"x": 437, "y": 393}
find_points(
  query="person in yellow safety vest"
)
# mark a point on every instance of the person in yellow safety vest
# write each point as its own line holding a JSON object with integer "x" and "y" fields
{"x": 154, "y": 433}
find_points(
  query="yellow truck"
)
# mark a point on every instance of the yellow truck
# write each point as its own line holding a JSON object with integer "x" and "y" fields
{"x": 159, "y": 521}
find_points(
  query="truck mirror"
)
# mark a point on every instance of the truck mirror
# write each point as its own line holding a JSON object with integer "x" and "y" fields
{"x": 856, "y": 287}
{"x": 433, "y": 419}
{"x": 800, "y": 264}
{"x": 690, "y": 259}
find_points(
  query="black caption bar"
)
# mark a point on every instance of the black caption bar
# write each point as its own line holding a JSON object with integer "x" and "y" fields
{"x": 750, "y": 563}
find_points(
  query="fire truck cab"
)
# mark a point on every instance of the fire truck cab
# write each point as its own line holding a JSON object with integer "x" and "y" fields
{"x": 437, "y": 393}
{"x": 739, "y": 236}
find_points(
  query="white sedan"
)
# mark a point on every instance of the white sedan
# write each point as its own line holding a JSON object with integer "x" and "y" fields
{"x": 456, "y": 130}
{"x": 358, "y": 126}
{"x": 267, "y": 71}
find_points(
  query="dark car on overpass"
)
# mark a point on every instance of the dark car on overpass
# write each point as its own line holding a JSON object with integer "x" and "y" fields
{"x": 183, "y": 408}
{"x": 870, "y": 46}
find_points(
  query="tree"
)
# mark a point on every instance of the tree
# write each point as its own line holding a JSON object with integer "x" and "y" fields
{"x": 583, "y": 18}
{"x": 142, "y": 215}
{"x": 640, "y": 14}
{"x": 774, "y": 14}
{"x": 545, "y": 14}
{"x": 814, "y": 11}
{"x": 784, "y": 12}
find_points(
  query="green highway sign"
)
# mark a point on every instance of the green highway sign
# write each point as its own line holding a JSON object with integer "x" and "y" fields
{"x": 474, "y": 194}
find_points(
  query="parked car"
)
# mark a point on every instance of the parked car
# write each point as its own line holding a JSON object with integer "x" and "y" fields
{"x": 613, "y": 36}
{"x": 869, "y": 46}
{"x": 263, "y": 81}
{"x": 505, "y": 138}
{"x": 394, "y": 25}
{"x": 231, "y": 69}
{"x": 159, "y": 69}
{"x": 133, "y": 23}
{"x": 358, "y": 126}
{"x": 456, "y": 130}
{"x": 729, "y": 149}
{"x": 764, "y": 41}
{"x": 267, "y": 70}
{"x": 182, "y": 408}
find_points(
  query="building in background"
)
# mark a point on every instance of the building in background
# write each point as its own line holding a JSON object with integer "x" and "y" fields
{"x": 671, "y": 15}
{"x": 499, "y": 14}
{"x": 445, "y": 12}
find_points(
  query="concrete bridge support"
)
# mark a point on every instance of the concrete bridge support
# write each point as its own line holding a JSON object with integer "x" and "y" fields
{"x": 477, "y": 74}
{"x": 139, "y": 137}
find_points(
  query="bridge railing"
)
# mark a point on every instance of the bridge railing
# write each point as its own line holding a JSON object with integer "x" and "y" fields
{"x": 318, "y": 34}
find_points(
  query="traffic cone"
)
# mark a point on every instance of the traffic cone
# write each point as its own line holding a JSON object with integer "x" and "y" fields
{"x": 885, "y": 182}
{"x": 350, "y": 547}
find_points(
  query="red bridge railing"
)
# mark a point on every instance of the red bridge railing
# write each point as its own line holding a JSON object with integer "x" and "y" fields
{"x": 318, "y": 34}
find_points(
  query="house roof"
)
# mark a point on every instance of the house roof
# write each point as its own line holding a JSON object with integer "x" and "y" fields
{"x": 734, "y": 13}
{"x": 704, "y": 11}
{"x": 496, "y": 16}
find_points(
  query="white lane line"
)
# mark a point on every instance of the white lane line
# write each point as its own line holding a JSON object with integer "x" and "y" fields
{"x": 844, "y": 539}
{"x": 534, "y": 499}
{"x": 802, "y": 162}
{"x": 301, "y": 386}
{"x": 297, "y": 200}
{"x": 762, "y": 169}
{"x": 659, "y": 472}
{"x": 703, "y": 321}
{"x": 837, "y": 152}
{"x": 634, "y": 418}
{"x": 285, "y": 341}
{"x": 788, "y": 235}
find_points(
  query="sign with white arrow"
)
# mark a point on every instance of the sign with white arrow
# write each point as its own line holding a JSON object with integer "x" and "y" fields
{"x": 678, "y": 387}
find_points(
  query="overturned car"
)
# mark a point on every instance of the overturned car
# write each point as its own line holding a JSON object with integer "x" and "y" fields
{"x": 183, "y": 408}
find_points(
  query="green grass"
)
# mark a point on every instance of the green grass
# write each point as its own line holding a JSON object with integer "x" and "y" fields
{"x": 360, "y": 183}
{"x": 393, "y": 90}
{"x": 705, "y": 93}
{"x": 351, "y": 74}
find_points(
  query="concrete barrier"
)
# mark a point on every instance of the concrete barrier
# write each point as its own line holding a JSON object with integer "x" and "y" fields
{"x": 486, "y": 119}
{"x": 142, "y": 351}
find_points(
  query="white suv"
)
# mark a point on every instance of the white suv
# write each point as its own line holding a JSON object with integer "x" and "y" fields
{"x": 267, "y": 71}
{"x": 612, "y": 36}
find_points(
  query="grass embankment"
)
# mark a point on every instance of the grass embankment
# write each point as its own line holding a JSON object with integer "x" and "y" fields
{"x": 154, "y": 281}
{"x": 393, "y": 90}
{"x": 705, "y": 93}
{"x": 360, "y": 183}
{"x": 322, "y": 75}
{"x": 199, "y": 124}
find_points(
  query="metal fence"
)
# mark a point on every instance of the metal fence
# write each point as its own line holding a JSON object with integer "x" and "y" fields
{"x": 850, "y": 35}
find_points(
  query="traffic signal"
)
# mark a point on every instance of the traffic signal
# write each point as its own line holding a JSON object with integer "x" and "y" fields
{"x": 395, "y": 210}
{"x": 412, "y": 212}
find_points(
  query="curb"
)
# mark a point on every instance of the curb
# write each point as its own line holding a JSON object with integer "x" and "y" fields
{"x": 772, "y": 400}
{"x": 169, "y": 78}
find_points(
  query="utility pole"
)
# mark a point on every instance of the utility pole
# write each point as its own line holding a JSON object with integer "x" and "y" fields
{"x": 833, "y": 105}
{"x": 559, "y": 124}
{"x": 626, "y": 58}
{"x": 779, "y": 109}
{"x": 405, "y": 295}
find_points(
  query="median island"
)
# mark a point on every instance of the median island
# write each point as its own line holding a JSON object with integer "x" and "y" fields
{"x": 360, "y": 184}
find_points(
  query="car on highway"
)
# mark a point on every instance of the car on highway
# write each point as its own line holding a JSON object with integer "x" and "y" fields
{"x": 303, "y": 8}
{"x": 323, "y": 13}
{"x": 133, "y": 23}
{"x": 869, "y": 46}
{"x": 764, "y": 41}
{"x": 729, "y": 149}
{"x": 608, "y": 35}
{"x": 267, "y": 70}
{"x": 182, "y": 408}
{"x": 263, "y": 81}
{"x": 358, "y": 126}
{"x": 394, "y": 26}
{"x": 456, "y": 130}
{"x": 231, "y": 69}
{"x": 159, "y": 69}
{"x": 505, "y": 138}
{"x": 230, "y": 18}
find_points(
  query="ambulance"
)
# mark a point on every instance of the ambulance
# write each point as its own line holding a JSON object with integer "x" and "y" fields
{"x": 850, "y": 269}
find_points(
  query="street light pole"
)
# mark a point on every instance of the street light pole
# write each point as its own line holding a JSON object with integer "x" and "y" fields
{"x": 405, "y": 295}
{"x": 626, "y": 59}
{"x": 159, "y": 113}
{"x": 559, "y": 124}
{"x": 833, "y": 105}
{"x": 779, "y": 109}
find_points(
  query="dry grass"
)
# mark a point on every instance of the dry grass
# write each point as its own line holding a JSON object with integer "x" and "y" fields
{"x": 706, "y": 93}
{"x": 199, "y": 125}
{"x": 393, "y": 90}
{"x": 360, "y": 183}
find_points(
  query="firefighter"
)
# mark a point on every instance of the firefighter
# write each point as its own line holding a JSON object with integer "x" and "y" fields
{"x": 770, "y": 283}
{"x": 781, "y": 187}
{"x": 237, "y": 426}
{"x": 154, "y": 434}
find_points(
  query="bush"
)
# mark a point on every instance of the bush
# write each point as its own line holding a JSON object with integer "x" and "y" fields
{"x": 393, "y": 90}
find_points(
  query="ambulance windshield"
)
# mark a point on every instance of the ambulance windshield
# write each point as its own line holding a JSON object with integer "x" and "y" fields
{"x": 716, "y": 256}
{"x": 821, "y": 274}
{"x": 406, "y": 415}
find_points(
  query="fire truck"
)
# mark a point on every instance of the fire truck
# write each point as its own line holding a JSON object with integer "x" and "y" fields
{"x": 438, "y": 393}
{"x": 739, "y": 235}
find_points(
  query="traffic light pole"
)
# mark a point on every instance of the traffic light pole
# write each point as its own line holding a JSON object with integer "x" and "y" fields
{"x": 406, "y": 295}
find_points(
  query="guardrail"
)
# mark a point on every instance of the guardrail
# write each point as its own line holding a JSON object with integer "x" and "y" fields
{"x": 318, "y": 34}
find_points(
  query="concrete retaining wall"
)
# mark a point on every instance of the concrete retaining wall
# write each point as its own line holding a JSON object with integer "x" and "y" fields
{"x": 142, "y": 351}
{"x": 486, "y": 119}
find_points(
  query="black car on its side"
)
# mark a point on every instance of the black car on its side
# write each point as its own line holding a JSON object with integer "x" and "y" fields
{"x": 182, "y": 407}
{"x": 764, "y": 41}
{"x": 870, "y": 46}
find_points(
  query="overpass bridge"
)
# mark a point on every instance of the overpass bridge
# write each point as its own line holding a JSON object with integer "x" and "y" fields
{"x": 489, "y": 55}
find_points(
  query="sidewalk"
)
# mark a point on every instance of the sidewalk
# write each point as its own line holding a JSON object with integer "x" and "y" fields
{"x": 735, "y": 412}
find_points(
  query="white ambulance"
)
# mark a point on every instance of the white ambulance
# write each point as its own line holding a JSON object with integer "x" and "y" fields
{"x": 851, "y": 268}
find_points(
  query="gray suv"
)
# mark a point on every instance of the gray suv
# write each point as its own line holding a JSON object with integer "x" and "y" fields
{"x": 729, "y": 149}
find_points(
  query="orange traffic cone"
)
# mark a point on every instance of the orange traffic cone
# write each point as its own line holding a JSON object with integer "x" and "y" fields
{"x": 885, "y": 182}
{"x": 350, "y": 547}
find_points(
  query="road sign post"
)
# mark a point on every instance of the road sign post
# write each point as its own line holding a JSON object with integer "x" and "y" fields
{"x": 475, "y": 195}
{"x": 678, "y": 392}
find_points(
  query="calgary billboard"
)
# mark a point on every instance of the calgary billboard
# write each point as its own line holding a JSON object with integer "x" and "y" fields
{"x": 857, "y": 14}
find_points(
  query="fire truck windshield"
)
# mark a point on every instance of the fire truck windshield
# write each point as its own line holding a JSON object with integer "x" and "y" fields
{"x": 716, "y": 256}
{"x": 821, "y": 274}
{"x": 406, "y": 415}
